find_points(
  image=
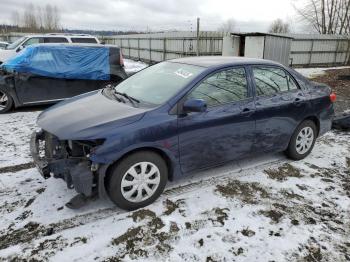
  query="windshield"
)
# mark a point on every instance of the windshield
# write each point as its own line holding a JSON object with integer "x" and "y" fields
{"x": 157, "y": 84}
{"x": 16, "y": 43}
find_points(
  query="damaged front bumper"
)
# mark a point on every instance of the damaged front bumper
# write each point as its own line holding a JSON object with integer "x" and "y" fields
{"x": 52, "y": 158}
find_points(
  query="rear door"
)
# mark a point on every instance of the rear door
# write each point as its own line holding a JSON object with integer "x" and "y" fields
{"x": 280, "y": 107}
{"x": 226, "y": 130}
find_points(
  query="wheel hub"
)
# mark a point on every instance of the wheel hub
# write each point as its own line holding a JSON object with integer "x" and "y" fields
{"x": 3, "y": 100}
{"x": 140, "y": 182}
{"x": 304, "y": 140}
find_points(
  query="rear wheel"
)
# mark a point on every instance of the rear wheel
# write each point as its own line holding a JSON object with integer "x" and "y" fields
{"x": 138, "y": 180}
{"x": 6, "y": 101}
{"x": 302, "y": 140}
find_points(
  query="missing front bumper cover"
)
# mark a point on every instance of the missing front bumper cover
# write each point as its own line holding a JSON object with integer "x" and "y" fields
{"x": 75, "y": 171}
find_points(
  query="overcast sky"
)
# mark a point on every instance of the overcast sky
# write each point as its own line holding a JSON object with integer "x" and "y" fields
{"x": 250, "y": 15}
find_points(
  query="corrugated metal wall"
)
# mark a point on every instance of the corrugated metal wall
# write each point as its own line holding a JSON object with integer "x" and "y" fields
{"x": 277, "y": 49}
{"x": 162, "y": 46}
{"x": 319, "y": 50}
{"x": 305, "y": 50}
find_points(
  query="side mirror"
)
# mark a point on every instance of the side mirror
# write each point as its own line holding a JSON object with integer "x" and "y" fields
{"x": 195, "y": 105}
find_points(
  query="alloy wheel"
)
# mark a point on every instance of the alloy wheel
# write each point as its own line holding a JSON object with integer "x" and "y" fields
{"x": 3, "y": 100}
{"x": 304, "y": 140}
{"x": 140, "y": 182}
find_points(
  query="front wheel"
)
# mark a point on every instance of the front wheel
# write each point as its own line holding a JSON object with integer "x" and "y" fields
{"x": 6, "y": 101}
{"x": 302, "y": 140}
{"x": 137, "y": 180}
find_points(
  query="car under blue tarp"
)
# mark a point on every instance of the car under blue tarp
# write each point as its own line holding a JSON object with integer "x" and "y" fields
{"x": 62, "y": 61}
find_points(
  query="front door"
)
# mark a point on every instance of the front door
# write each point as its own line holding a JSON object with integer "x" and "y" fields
{"x": 226, "y": 130}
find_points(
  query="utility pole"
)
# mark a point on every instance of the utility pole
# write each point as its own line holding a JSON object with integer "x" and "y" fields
{"x": 197, "y": 36}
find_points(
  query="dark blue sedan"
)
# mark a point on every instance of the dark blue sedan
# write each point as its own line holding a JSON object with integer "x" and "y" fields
{"x": 175, "y": 117}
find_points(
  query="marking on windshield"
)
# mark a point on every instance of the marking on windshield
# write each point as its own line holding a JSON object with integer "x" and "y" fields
{"x": 183, "y": 73}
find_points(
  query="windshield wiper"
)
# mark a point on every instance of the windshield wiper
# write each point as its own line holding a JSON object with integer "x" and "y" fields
{"x": 130, "y": 98}
{"x": 111, "y": 91}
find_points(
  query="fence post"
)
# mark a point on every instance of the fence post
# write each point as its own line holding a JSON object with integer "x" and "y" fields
{"x": 183, "y": 47}
{"x": 129, "y": 47}
{"x": 336, "y": 53}
{"x": 347, "y": 55}
{"x": 150, "y": 50}
{"x": 312, "y": 49}
{"x": 138, "y": 48}
{"x": 164, "y": 49}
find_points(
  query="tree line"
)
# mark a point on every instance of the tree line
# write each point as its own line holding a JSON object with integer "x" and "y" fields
{"x": 318, "y": 16}
{"x": 37, "y": 18}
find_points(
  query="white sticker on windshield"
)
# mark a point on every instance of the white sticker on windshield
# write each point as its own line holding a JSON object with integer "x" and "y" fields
{"x": 183, "y": 73}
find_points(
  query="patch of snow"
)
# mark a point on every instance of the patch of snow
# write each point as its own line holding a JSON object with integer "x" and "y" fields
{"x": 132, "y": 66}
{"x": 314, "y": 72}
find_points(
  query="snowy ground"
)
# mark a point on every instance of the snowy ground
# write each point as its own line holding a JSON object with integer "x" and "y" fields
{"x": 261, "y": 209}
{"x": 315, "y": 72}
{"x": 133, "y": 66}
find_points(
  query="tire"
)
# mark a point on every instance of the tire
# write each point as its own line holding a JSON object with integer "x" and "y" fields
{"x": 302, "y": 140}
{"x": 6, "y": 101}
{"x": 121, "y": 174}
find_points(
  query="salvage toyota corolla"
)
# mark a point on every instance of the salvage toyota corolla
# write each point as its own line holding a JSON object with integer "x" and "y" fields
{"x": 126, "y": 141}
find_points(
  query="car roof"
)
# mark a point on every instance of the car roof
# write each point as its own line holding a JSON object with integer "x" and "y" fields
{"x": 61, "y": 35}
{"x": 213, "y": 61}
{"x": 73, "y": 44}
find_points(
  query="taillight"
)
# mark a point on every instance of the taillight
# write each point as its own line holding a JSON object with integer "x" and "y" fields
{"x": 121, "y": 59}
{"x": 333, "y": 97}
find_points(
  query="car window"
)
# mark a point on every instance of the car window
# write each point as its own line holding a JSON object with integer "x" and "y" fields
{"x": 272, "y": 80}
{"x": 84, "y": 40}
{"x": 55, "y": 40}
{"x": 223, "y": 87}
{"x": 291, "y": 83}
{"x": 16, "y": 43}
{"x": 32, "y": 41}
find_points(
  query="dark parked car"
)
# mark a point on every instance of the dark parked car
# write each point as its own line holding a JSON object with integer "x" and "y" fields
{"x": 176, "y": 117}
{"x": 47, "y": 73}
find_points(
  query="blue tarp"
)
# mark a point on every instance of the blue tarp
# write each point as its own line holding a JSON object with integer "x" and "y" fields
{"x": 62, "y": 61}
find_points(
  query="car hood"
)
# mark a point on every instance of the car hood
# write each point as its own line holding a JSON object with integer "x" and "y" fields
{"x": 6, "y": 54}
{"x": 88, "y": 116}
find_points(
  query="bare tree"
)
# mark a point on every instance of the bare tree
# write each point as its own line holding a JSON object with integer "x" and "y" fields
{"x": 279, "y": 27}
{"x": 56, "y": 18}
{"x": 50, "y": 17}
{"x": 15, "y": 18}
{"x": 40, "y": 18}
{"x": 326, "y": 16}
{"x": 228, "y": 26}
{"x": 29, "y": 18}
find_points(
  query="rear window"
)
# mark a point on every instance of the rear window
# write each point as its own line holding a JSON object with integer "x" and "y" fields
{"x": 55, "y": 40}
{"x": 84, "y": 40}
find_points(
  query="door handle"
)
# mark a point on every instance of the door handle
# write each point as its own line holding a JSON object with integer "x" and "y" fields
{"x": 297, "y": 101}
{"x": 247, "y": 111}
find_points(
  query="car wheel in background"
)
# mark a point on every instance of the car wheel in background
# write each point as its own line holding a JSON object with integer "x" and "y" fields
{"x": 6, "y": 101}
{"x": 137, "y": 180}
{"x": 302, "y": 140}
